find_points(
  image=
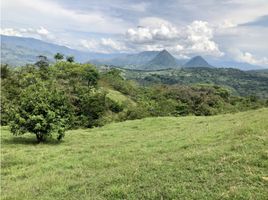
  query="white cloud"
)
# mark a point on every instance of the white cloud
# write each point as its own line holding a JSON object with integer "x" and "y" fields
{"x": 154, "y": 22}
{"x": 241, "y": 11}
{"x": 151, "y": 29}
{"x": 196, "y": 38}
{"x": 104, "y": 45}
{"x": 140, "y": 35}
{"x": 226, "y": 24}
{"x": 139, "y": 7}
{"x": 54, "y": 14}
{"x": 199, "y": 39}
{"x": 42, "y": 31}
{"x": 38, "y": 33}
{"x": 10, "y": 32}
{"x": 91, "y": 45}
{"x": 114, "y": 45}
{"x": 247, "y": 57}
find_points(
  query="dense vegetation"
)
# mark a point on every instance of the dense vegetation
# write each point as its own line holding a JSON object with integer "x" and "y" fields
{"x": 48, "y": 99}
{"x": 216, "y": 157}
{"x": 239, "y": 82}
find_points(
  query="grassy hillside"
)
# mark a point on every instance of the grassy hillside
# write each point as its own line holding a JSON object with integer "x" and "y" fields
{"x": 217, "y": 157}
{"x": 119, "y": 97}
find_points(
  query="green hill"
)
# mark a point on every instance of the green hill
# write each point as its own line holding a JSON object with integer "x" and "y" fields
{"x": 217, "y": 157}
{"x": 239, "y": 82}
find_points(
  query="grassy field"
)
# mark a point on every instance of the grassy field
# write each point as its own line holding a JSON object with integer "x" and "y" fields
{"x": 218, "y": 157}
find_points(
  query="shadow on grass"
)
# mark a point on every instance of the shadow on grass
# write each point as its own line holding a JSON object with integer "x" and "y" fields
{"x": 30, "y": 141}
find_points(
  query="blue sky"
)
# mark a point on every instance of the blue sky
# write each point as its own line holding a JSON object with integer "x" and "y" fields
{"x": 218, "y": 29}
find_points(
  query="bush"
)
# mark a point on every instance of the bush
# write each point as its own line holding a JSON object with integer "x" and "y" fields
{"x": 114, "y": 106}
{"x": 42, "y": 110}
{"x": 90, "y": 107}
{"x": 4, "y": 109}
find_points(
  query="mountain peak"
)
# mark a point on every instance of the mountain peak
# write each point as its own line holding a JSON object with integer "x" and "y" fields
{"x": 162, "y": 60}
{"x": 165, "y": 52}
{"x": 197, "y": 61}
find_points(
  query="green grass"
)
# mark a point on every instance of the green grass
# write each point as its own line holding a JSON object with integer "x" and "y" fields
{"x": 119, "y": 97}
{"x": 217, "y": 157}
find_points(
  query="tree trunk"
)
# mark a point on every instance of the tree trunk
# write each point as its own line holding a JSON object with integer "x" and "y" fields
{"x": 40, "y": 137}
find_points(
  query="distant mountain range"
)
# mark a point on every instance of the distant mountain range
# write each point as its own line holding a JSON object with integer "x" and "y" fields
{"x": 17, "y": 51}
{"x": 146, "y": 60}
{"x": 152, "y": 60}
{"x": 127, "y": 60}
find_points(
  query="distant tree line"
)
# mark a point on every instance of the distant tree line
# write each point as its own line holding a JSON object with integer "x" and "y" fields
{"x": 242, "y": 83}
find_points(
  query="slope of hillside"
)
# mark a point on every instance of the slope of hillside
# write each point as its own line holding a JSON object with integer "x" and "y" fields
{"x": 218, "y": 157}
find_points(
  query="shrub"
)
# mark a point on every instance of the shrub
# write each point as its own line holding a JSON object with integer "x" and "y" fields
{"x": 43, "y": 110}
{"x": 90, "y": 107}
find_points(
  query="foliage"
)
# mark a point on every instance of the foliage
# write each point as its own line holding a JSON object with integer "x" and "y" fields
{"x": 76, "y": 84}
{"x": 114, "y": 79}
{"x": 42, "y": 62}
{"x": 58, "y": 56}
{"x": 240, "y": 83}
{"x": 42, "y": 110}
{"x": 5, "y": 71}
{"x": 75, "y": 74}
{"x": 92, "y": 106}
{"x": 70, "y": 59}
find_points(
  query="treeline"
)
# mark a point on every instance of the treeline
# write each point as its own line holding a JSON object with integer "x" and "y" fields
{"x": 179, "y": 100}
{"x": 48, "y": 99}
{"x": 240, "y": 82}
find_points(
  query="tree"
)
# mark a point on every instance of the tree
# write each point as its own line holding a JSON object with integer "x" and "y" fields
{"x": 70, "y": 59}
{"x": 42, "y": 62}
{"x": 91, "y": 75}
{"x": 5, "y": 71}
{"x": 58, "y": 56}
{"x": 42, "y": 110}
{"x": 91, "y": 106}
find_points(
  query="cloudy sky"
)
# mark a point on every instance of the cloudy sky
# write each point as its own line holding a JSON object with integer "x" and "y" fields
{"x": 217, "y": 29}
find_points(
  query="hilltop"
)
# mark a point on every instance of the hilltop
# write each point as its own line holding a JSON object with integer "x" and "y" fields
{"x": 217, "y": 157}
{"x": 162, "y": 60}
{"x": 197, "y": 61}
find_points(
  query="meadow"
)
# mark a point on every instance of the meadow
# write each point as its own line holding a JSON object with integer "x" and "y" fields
{"x": 212, "y": 157}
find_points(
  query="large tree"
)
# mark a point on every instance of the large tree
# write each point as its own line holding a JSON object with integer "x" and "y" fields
{"x": 70, "y": 59}
{"x": 58, "y": 56}
{"x": 42, "y": 62}
{"x": 43, "y": 110}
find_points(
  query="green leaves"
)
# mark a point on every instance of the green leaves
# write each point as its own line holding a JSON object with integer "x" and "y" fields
{"x": 42, "y": 110}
